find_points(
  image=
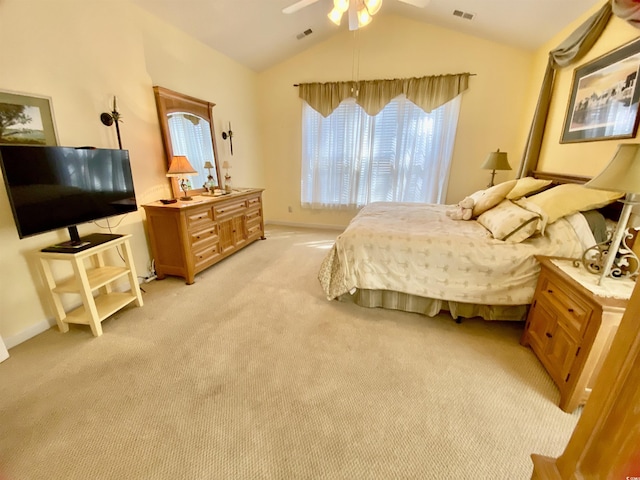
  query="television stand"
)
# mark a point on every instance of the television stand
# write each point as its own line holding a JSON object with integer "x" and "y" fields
{"x": 85, "y": 281}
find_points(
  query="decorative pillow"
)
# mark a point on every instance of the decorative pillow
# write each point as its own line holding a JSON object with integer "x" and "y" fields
{"x": 527, "y": 186}
{"x": 489, "y": 198}
{"x": 510, "y": 222}
{"x": 569, "y": 198}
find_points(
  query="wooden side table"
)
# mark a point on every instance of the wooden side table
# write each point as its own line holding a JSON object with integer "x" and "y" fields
{"x": 85, "y": 281}
{"x": 570, "y": 327}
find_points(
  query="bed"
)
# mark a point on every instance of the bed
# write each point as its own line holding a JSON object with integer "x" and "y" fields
{"x": 414, "y": 257}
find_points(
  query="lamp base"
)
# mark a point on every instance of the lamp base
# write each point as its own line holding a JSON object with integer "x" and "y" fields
{"x": 185, "y": 199}
{"x": 624, "y": 264}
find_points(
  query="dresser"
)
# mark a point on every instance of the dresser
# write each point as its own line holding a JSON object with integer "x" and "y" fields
{"x": 571, "y": 324}
{"x": 189, "y": 236}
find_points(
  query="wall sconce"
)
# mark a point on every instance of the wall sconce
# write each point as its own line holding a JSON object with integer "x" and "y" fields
{"x": 229, "y": 134}
{"x": 496, "y": 161}
{"x": 109, "y": 119}
{"x": 180, "y": 168}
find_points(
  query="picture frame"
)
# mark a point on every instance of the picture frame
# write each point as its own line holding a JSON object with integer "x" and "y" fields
{"x": 26, "y": 119}
{"x": 604, "y": 97}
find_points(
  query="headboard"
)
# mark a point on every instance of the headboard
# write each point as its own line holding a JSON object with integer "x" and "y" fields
{"x": 611, "y": 211}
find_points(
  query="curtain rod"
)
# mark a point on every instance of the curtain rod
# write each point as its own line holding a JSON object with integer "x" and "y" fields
{"x": 471, "y": 75}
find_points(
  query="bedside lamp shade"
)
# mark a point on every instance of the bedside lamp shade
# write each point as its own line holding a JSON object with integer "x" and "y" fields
{"x": 622, "y": 174}
{"x": 180, "y": 167}
{"x": 496, "y": 161}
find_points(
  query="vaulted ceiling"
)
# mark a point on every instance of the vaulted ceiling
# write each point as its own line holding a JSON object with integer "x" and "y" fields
{"x": 258, "y": 35}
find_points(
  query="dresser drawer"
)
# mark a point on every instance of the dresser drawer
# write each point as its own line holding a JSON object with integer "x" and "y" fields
{"x": 254, "y": 231}
{"x": 231, "y": 208}
{"x": 253, "y": 216}
{"x": 206, "y": 255}
{"x": 571, "y": 308}
{"x": 202, "y": 237}
{"x": 254, "y": 202}
{"x": 199, "y": 219}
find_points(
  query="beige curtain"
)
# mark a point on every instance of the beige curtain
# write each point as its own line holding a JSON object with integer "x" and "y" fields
{"x": 568, "y": 52}
{"x": 428, "y": 93}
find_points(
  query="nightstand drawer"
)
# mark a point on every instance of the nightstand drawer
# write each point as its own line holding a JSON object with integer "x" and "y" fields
{"x": 568, "y": 304}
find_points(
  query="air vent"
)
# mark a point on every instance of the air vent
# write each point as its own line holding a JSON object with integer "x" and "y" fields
{"x": 306, "y": 33}
{"x": 465, "y": 15}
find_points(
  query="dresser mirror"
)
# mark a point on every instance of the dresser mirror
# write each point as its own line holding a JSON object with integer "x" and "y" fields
{"x": 187, "y": 129}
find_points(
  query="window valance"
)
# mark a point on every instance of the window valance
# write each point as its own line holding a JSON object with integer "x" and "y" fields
{"x": 428, "y": 93}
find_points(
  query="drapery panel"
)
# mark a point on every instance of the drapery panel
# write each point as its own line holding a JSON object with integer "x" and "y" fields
{"x": 568, "y": 52}
{"x": 428, "y": 93}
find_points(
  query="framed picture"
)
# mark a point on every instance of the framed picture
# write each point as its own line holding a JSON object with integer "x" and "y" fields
{"x": 26, "y": 120}
{"x": 604, "y": 97}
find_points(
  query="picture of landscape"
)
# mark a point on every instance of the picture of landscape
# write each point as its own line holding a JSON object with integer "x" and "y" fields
{"x": 26, "y": 120}
{"x": 21, "y": 124}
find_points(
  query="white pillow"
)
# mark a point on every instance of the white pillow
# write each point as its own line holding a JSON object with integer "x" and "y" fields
{"x": 510, "y": 222}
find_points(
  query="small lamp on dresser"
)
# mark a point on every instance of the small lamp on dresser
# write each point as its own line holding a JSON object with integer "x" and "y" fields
{"x": 622, "y": 174}
{"x": 181, "y": 168}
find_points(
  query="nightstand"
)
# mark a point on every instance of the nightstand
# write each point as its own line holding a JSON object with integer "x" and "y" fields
{"x": 571, "y": 324}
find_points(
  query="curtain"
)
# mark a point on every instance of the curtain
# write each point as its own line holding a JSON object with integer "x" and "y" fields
{"x": 402, "y": 154}
{"x": 373, "y": 95}
{"x": 190, "y": 137}
{"x": 568, "y": 52}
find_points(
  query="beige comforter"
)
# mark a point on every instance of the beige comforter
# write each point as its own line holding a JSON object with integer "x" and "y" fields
{"x": 416, "y": 249}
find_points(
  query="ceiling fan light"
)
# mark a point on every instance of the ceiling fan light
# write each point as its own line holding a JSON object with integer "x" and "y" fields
{"x": 335, "y": 16}
{"x": 373, "y": 6}
{"x": 341, "y": 5}
{"x": 364, "y": 18}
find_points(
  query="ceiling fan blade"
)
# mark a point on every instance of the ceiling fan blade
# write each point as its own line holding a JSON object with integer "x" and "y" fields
{"x": 298, "y": 6}
{"x": 416, "y": 3}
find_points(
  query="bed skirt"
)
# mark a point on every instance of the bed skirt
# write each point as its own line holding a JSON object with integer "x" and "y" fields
{"x": 432, "y": 306}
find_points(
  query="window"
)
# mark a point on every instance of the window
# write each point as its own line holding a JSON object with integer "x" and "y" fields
{"x": 402, "y": 154}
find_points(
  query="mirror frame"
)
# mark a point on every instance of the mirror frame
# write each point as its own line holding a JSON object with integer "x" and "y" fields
{"x": 168, "y": 101}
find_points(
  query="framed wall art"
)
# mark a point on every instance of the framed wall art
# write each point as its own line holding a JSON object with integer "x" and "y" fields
{"x": 26, "y": 120}
{"x": 604, "y": 97}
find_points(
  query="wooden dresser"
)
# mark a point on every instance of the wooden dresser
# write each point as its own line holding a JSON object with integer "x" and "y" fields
{"x": 570, "y": 329}
{"x": 189, "y": 236}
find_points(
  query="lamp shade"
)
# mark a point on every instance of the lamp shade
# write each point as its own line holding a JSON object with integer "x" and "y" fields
{"x": 208, "y": 164}
{"x": 496, "y": 161}
{"x": 225, "y": 164}
{"x": 180, "y": 166}
{"x": 623, "y": 172}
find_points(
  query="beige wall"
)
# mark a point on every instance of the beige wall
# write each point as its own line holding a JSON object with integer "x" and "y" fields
{"x": 491, "y": 116}
{"x": 81, "y": 54}
{"x": 586, "y": 158}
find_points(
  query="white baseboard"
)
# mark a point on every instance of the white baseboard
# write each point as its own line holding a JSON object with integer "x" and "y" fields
{"x": 29, "y": 332}
{"x": 3, "y": 351}
{"x": 304, "y": 225}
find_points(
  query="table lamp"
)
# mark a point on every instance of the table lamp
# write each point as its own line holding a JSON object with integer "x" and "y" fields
{"x": 180, "y": 167}
{"x": 496, "y": 161}
{"x": 621, "y": 175}
{"x": 210, "y": 183}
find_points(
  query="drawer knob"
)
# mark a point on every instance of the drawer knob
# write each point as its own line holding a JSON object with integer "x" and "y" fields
{"x": 548, "y": 335}
{"x": 550, "y": 291}
{"x": 570, "y": 310}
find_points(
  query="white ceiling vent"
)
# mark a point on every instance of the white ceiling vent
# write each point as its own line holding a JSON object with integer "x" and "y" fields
{"x": 306, "y": 33}
{"x": 465, "y": 15}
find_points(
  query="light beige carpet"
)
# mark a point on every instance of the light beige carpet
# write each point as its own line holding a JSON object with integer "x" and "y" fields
{"x": 251, "y": 373}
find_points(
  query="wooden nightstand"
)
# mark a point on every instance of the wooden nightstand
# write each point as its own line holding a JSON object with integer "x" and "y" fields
{"x": 570, "y": 327}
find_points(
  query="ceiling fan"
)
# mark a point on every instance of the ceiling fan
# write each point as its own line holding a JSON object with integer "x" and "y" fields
{"x": 359, "y": 11}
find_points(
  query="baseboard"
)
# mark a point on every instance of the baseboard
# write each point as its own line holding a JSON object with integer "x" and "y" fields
{"x": 28, "y": 333}
{"x": 304, "y": 225}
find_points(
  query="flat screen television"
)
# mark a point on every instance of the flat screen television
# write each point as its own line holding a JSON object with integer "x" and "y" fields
{"x": 51, "y": 188}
